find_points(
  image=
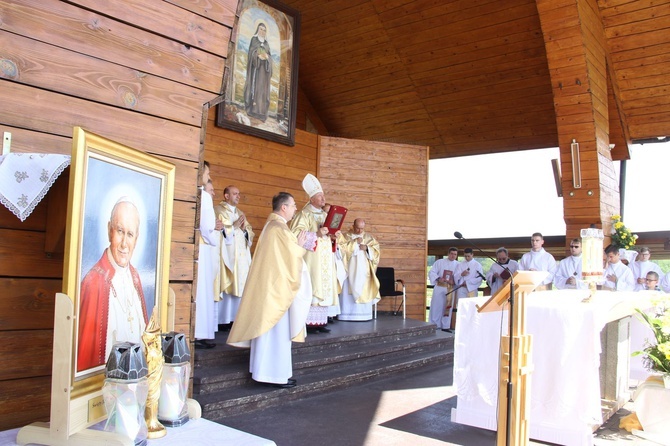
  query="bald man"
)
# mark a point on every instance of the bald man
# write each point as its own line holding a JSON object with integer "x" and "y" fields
{"x": 112, "y": 306}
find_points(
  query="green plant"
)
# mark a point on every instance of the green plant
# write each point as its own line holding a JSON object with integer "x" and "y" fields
{"x": 622, "y": 237}
{"x": 657, "y": 355}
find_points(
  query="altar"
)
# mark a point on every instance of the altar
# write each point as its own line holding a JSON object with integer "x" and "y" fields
{"x": 195, "y": 432}
{"x": 565, "y": 384}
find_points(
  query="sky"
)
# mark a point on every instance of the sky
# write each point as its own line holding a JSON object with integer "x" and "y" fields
{"x": 514, "y": 194}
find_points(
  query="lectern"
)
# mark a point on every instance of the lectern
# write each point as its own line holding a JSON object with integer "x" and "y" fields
{"x": 515, "y": 368}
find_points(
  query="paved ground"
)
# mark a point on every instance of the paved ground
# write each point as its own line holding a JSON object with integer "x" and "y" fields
{"x": 406, "y": 410}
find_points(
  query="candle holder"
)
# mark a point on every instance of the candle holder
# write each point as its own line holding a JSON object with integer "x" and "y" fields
{"x": 592, "y": 259}
{"x": 172, "y": 406}
{"x": 125, "y": 392}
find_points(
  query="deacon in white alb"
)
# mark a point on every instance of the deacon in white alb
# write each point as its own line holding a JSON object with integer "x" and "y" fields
{"x": 569, "y": 272}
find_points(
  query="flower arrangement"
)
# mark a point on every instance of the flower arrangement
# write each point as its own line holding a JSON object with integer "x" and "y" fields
{"x": 657, "y": 355}
{"x": 622, "y": 237}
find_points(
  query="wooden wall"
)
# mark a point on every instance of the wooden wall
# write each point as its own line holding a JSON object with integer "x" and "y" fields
{"x": 142, "y": 73}
{"x": 259, "y": 168}
{"x": 387, "y": 185}
{"x": 139, "y": 72}
{"x": 384, "y": 183}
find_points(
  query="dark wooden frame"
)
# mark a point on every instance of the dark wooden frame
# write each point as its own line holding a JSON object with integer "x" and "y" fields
{"x": 287, "y": 23}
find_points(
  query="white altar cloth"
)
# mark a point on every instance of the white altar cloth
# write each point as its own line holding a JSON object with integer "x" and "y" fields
{"x": 565, "y": 382}
{"x": 197, "y": 432}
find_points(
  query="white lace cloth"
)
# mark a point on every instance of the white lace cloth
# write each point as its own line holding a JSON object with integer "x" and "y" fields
{"x": 25, "y": 179}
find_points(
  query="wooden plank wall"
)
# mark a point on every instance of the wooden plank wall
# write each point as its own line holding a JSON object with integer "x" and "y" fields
{"x": 259, "y": 168}
{"x": 387, "y": 185}
{"x": 137, "y": 72}
{"x": 382, "y": 182}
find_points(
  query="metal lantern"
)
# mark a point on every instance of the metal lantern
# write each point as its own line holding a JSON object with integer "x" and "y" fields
{"x": 125, "y": 392}
{"x": 172, "y": 406}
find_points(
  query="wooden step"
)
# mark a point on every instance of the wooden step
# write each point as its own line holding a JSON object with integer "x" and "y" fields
{"x": 351, "y": 354}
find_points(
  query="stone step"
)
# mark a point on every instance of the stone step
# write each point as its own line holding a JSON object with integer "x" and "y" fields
{"x": 252, "y": 397}
{"x": 213, "y": 379}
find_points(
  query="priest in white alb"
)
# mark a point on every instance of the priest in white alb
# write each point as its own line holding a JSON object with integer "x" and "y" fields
{"x": 208, "y": 266}
{"x": 468, "y": 276}
{"x": 237, "y": 236}
{"x": 617, "y": 276}
{"x": 537, "y": 259}
{"x": 501, "y": 271}
{"x": 360, "y": 255}
{"x": 641, "y": 266}
{"x": 569, "y": 273}
{"x": 441, "y": 275}
{"x": 276, "y": 299}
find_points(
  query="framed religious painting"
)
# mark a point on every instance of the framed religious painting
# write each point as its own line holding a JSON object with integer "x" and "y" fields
{"x": 261, "y": 80}
{"x": 117, "y": 254}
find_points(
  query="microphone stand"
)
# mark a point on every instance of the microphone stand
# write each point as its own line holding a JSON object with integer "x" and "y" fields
{"x": 508, "y": 421}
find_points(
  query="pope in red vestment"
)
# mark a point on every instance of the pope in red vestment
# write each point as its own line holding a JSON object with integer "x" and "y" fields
{"x": 98, "y": 285}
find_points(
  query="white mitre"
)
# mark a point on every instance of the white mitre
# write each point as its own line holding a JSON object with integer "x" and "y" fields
{"x": 311, "y": 185}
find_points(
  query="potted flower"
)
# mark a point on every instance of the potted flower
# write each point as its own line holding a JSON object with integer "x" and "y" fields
{"x": 657, "y": 354}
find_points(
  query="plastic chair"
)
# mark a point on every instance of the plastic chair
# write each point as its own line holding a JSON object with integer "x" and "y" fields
{"x": 388, "y": 287}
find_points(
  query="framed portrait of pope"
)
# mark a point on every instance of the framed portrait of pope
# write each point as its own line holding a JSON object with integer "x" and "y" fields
{"x": 117, "y": 250}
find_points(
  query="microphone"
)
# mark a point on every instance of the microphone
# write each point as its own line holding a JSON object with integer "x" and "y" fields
{"x": 482, "y": 277}
{"x": 458, "y": 234}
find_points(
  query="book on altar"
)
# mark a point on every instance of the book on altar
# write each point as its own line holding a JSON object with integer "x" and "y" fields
{"x": 335, "y": 218}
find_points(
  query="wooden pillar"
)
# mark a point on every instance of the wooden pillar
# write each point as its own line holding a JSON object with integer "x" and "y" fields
{"x": 577, "y": 59}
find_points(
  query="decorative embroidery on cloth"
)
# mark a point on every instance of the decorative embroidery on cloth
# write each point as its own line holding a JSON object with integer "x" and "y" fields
{"x": 25, "y": 178}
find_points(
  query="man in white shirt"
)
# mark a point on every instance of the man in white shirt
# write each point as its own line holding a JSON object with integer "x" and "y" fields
{"x": 468, "y": 276}
{"x": 441, "y": 275}
{"x": 501, "y": 271}
{"x": 642, "y": 266}
{"x": 539, "y": 260}
{"x": 618, "y": 277}
{"x": 569, "y": 272}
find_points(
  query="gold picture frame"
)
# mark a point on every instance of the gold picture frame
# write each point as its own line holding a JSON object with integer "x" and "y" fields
{"x": 119, "y": 219}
